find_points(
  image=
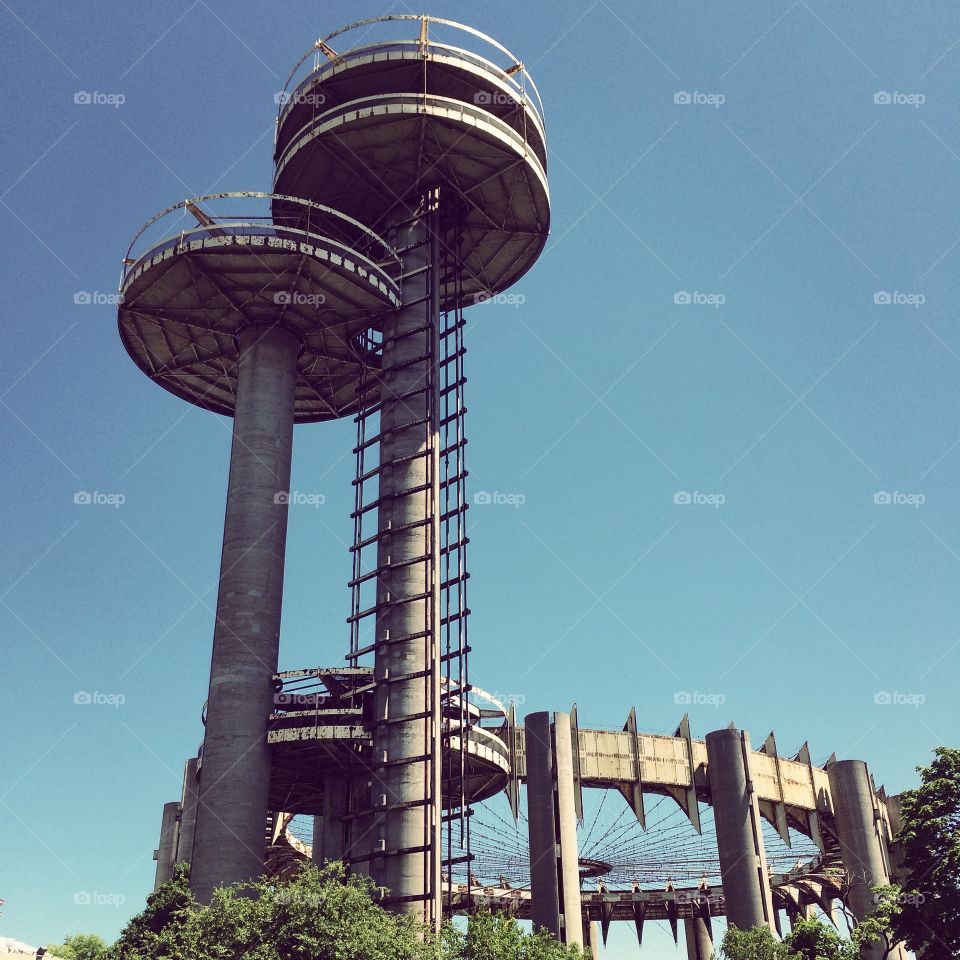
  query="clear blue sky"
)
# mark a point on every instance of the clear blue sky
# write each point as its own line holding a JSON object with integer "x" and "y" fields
{"x": 797, "y": 199}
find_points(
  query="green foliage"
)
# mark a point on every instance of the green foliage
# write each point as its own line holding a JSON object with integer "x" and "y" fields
{"x": 756, "y": 944}
{"x": 493, "y": 936}
{"x": 811, "y": 939}
{"x": 79, "y": 946}
{"x": 930, "y": 838}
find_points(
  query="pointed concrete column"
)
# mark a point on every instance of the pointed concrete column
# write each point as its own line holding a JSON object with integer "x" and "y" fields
{"x": 743, "y": 863}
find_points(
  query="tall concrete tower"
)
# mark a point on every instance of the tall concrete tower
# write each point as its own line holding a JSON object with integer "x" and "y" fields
{"x": 410, "y": 183}
{"x": 440, "y": 147}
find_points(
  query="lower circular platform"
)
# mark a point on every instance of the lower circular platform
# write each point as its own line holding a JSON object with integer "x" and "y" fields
{"x": 318, "y": 273}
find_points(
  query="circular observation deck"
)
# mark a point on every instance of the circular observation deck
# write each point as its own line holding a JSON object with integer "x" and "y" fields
{"x": 320, "y": 727}
{"x": 371, "y": 128}
{"x": 202, "y": 270}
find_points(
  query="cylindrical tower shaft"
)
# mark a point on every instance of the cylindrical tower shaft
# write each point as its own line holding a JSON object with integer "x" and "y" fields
{"x": 188, "y": 812}
{"x": 569, "y": 863}
{"x": 699, "y": 944}
{"x": 743, "y": 866}
{"x": 235, "y": 772}
{"x": 406, "y": 735}
{"x": 166, "y": 852}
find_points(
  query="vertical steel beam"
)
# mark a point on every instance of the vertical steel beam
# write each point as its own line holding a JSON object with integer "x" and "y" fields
{"x": 166, "y": 852}
{"x": 228, "y": 844}
{"x": 406, "y": 734}
{"x": 188, "y": 812}
{"x": 743, "y": 866}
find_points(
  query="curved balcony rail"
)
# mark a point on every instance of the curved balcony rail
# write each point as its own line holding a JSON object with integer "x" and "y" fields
{"x": 249, "y": 213}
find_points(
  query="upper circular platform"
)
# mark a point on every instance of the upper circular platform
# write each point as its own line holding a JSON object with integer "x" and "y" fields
{"x": 203, "y": 269}
{"x": 371, "y": 128}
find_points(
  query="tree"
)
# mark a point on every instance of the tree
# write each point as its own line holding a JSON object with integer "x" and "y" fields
{"x": 494, "y": 936}
{"x": 756, "y": 944}
{"x": 811, "y": 939}
{"x": 930, "y": 840}
{"x": 79, "y": 946}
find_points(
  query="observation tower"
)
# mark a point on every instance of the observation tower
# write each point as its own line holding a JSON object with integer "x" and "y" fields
{"x": 409, "y": 184}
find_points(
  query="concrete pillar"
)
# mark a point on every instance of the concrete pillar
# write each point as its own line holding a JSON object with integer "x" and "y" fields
{"x": 235, "y": 772}
{"x": 165, "y": 853}
{"x": 569, "y": 862}
{"x": 329, "y": 828}
{"x": 699, "y": 944}
{"x": 552, "y": 824}
{"x": 188, "y": 812}
{"x": 743, "y": 864}
{"x": 406, "y": 733}
{"x": 591, "y": 938}
{"x": 862, "y": 846}
{"x": 541, "y": 824}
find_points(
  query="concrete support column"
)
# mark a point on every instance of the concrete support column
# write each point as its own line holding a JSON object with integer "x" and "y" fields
{"x": 188, "y": 812}
{"x": 235, "y": 771}
{"x": 166, "y": 852}
{"x": 406, "y": 733}
{"x": 591, "y": 939}
{"x": 743, "y": 863}
{"x": 862, "y": 846}
{"x": 552, "y": 823}
{"x": 699, "y": 944}
{"x": 329, "y": 828}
